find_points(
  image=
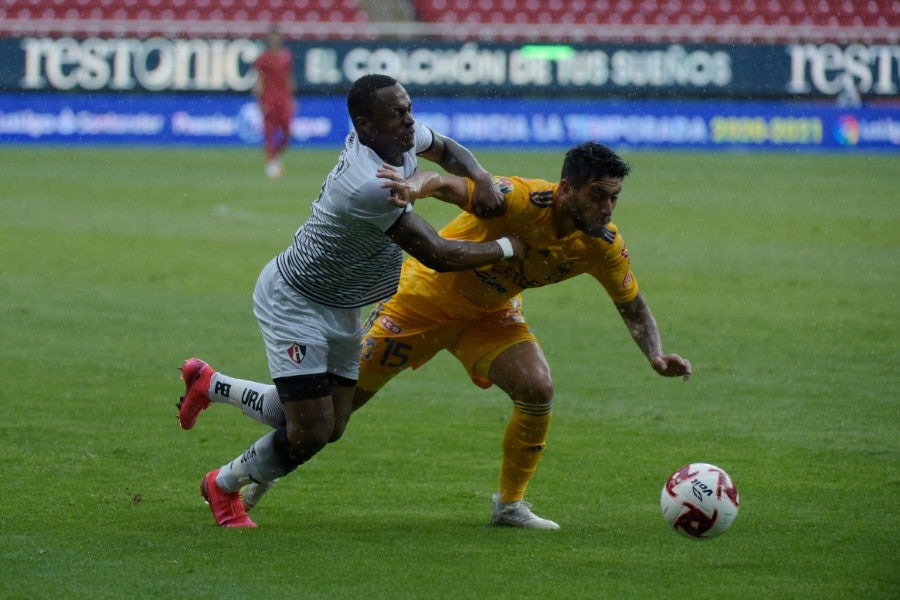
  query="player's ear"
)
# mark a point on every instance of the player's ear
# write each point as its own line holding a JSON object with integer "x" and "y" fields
{"x": 564, "y": 191}
{"x": 361, "y": 124}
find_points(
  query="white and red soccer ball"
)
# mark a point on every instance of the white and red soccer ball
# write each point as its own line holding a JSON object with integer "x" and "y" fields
{"x": 699, "y": 500}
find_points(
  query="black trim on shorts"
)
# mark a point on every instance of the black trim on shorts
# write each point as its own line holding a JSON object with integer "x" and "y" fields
{"x": 307, "y": 387}
{"x": 302, "y": 387}
{"x": 338, "y": 381}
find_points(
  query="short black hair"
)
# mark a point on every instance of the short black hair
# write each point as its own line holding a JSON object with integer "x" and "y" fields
{"x": 361, "y": 97}
{"x": 590, "y": 161}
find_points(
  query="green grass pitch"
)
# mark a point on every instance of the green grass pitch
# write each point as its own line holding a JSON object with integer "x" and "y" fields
{"x": 775, "y": 274}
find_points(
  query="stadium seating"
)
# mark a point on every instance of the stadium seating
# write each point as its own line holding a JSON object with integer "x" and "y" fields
{"x": 492, "y": 19}
{"x": 868, "y": 13}
{"x": 218, "y": 10}
{"x": 55, "y": 14}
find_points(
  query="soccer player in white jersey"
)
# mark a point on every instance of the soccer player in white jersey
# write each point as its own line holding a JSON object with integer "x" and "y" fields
{"x": 346, "y": 255}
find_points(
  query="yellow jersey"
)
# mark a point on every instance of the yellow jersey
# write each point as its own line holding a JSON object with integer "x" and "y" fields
{"x": 529, "y": 216}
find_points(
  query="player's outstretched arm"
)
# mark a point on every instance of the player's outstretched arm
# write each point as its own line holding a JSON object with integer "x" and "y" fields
{"x": 644, "y": 331}
{"x": 487, "y": 200}
{"x": 416, "y": 235}
{"x": 422, "y": 184}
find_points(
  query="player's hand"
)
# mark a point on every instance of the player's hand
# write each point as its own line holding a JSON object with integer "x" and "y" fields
{"x": 487, "y": 199}
{"x": 401, "y": 193}
{"x": 671, "y": 365}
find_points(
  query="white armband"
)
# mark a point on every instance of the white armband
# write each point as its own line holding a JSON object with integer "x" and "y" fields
{"x": 506, "y": 246}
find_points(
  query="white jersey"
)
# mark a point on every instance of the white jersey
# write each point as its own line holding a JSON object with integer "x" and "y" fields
{"x": 340, "y": 256}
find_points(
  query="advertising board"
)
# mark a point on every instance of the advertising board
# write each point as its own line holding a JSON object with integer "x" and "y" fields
{"x": 198, "y": 119}
{"x": 222, "y": 66}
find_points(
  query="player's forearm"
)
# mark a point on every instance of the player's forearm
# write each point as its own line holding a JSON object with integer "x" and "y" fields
{"x": 457, "y": 255}
{"x": 419, "y": 238}
{"x": 459, "y": 161}
{"x": 646, "y": 336}
{"x": 642, "y": 326}
{"x": 447, "y": 188}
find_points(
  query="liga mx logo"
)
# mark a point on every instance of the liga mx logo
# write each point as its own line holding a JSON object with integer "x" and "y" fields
{"x": 846, "y": 131}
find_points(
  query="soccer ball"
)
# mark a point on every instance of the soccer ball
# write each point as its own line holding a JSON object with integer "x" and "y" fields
{"x": 699, "y": 500}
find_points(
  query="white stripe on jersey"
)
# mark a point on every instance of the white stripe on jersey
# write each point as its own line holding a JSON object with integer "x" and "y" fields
{"x": 341, "y": 256}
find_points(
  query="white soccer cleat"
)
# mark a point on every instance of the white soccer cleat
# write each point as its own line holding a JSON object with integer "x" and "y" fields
{"x": 517, "y": 514}
{"x": 274, "y": 170}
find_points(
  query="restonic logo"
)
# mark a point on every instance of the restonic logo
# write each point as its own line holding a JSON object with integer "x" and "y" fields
{"x": 156, "y": 64}
{"x": 829, "y": 69}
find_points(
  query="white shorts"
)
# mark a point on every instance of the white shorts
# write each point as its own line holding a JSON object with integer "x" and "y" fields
{"x": 303, "y": 337}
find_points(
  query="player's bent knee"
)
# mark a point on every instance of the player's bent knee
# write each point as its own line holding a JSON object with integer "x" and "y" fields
{"x": 290, "y": 456}
{"x": 342, "y": 393}
{"x": 308, "y": 410}
{"x": 340, "y": 425}
{"x": 543, "y": 393}
{"x": 539, "y": 392}
{"x": 310, "y": 436}
{"x": 337, "y": 433}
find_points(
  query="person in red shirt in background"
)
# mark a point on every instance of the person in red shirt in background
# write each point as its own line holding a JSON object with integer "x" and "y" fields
{"x": 274, "y": 90}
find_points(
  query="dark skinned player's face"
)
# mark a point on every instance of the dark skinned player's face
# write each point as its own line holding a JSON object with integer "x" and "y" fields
{"x": 592, "y": 205}
{"x": 389, "y": 130}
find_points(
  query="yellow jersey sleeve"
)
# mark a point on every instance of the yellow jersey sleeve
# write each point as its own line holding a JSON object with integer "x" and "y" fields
{"x": 613, "y": 269}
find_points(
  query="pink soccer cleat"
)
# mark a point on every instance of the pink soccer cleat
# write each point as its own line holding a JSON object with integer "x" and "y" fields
{"x": 196, "y": 375}
{"x": 227, "y": 508}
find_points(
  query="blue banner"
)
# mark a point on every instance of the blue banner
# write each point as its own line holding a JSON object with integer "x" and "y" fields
{"x": 323, "y": 121}
{"x": 447, "y": 69}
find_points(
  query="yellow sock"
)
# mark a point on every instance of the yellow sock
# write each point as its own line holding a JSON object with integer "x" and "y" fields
{"x": 523, "y": 445}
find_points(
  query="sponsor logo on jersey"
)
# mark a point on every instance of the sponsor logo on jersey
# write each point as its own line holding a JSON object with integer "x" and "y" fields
{"x": 296, "y": 352}
{"x": 505, "y": 184}
{"x": 491, "y": 281}
{"x": 390, "y": 325}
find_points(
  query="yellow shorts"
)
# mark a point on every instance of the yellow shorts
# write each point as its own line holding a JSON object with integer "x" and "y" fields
{"x": 398, "y": 336}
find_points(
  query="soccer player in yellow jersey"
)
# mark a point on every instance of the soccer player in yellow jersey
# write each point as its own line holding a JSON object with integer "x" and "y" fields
{"x": 477, "y": 314}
